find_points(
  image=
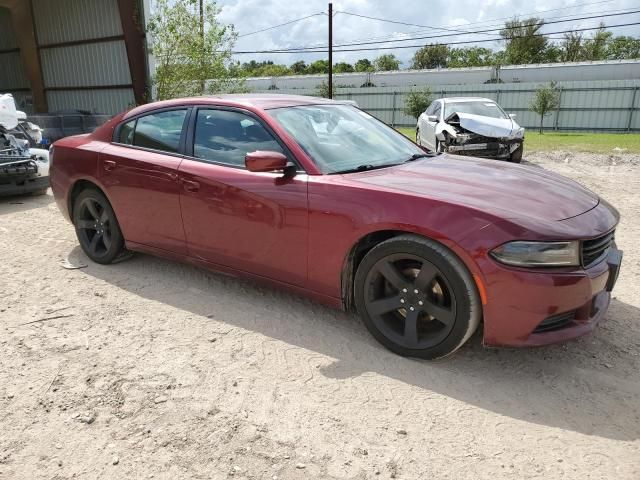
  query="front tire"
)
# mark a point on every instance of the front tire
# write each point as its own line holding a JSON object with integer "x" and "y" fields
{"x": 97, "y": 227}
{"x": 416, "y": 297}
{"x": 516, "y": 156}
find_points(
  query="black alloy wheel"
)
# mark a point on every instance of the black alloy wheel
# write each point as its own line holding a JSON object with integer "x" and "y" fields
{"x": 416, "y": 297}
{"x": 97, "y": 227}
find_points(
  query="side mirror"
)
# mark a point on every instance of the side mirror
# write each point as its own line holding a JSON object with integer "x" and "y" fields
{"x": 512, "y": 115}
{"x": 433, "y": 118}
{"x": 264, "y": 161}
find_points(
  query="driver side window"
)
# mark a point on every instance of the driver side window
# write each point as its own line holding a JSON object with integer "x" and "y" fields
{"x": 431, "y": 108}
{"x": 225, "y": 136}
{"x": 436, "y": 110}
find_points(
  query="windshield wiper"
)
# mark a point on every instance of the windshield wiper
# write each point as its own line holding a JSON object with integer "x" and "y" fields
{"x": 416, "y": 156}
{"x": 365, "y": 167}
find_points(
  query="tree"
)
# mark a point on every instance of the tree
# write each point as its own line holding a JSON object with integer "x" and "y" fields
{"x": 386, "y": 63}
{"x": 470, "y": 57}
{"x": 363, "y": 65}
{"x": 545, "y": 100}
{"x": 319, "y": 66}
{"x": 342, "y": 67}
{"x": 571, "y": 47}
{"x": 525, "y": 43}
{"x": 431, "y": 56}
{"x": 417, "y": 102}
{"x": 595, "y": 48}
{"x": 322, "y": 90}
{"x": 621, "y": 48}
{"x": 190, "y": 61}
{"x": 273, "y": 70}
{"x": 299, "y": 67}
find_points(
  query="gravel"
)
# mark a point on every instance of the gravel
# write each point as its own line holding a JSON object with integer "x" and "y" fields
{"x": 316, "y": 388}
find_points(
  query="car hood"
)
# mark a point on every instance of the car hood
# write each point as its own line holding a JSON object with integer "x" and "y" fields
{"x": 507, "y": 190}
{"x": 487, "y": 126}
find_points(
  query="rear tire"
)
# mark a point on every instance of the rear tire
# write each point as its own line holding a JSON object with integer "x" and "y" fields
{"x": 416, "y": 297}
{"x": 97, "y": 227}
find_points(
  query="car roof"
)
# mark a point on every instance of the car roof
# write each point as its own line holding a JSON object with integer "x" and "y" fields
{"x": 261, "y": 101}
{"x": 467, "y": 99}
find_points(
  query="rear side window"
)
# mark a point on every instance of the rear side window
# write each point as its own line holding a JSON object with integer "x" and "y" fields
{"x": 158, "y": 131}
{"x": 126, "y": 133}
{"x": 226, "y": 137}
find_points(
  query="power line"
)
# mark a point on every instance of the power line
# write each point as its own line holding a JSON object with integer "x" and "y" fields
{"x": 324, "y": 49}
{"x": 282, "y": 24}
{"x": 420, "y": 31}
{"x": 403, "y": 23}
{"x": 488, "y": 30}
{"x": 428, "y": 37}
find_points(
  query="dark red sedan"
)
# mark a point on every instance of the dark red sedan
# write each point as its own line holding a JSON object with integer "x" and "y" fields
{"x": 323, "y": 199}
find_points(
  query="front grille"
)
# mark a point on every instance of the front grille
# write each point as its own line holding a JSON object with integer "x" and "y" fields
{"x": 592, "y": 251}
{"x": 556, "y": 322}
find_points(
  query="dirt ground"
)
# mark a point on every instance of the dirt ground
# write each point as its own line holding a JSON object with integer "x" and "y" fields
{"x": 155, "y": 369}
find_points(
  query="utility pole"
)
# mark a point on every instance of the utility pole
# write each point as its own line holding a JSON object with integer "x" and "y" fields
{"x": 202, "y": 82}
{"x": 330, "y": 50}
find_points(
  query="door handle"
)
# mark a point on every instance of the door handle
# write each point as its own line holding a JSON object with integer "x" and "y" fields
{"x": 109, "y": 165}
{"x": 190, "y": 186}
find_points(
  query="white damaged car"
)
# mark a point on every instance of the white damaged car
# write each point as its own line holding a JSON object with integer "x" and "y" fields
{"x": 470, "y": 126}
{"x": 24, "y": 168}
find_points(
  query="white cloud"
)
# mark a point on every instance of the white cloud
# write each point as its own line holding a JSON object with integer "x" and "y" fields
{"x": 252, "y": 15}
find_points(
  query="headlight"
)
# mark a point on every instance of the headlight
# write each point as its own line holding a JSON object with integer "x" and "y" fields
{"x": 538, "y": 254}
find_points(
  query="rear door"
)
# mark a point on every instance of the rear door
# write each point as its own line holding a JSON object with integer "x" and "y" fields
{"x": 254, "y": 222}
{"x": 140, "y": 173}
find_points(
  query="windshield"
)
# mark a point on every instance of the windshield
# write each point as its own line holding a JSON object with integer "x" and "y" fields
{"x": 485, "y": 109}
{"x": 341, "y": 138}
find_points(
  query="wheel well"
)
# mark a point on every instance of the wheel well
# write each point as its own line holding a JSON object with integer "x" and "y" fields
{"x": 355, "y": 256}
{"x": 78, "y": 187}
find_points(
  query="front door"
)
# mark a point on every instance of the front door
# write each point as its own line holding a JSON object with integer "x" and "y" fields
{"x": 140, "y": 175}
{"x": 254, "y": 222}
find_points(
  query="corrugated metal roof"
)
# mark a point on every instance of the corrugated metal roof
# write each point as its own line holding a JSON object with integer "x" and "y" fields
{"x": 71, "y": 20}
{"x": 12, "y": 73}
{"x": 7, "y": 37}
{"x": 86, "y": 65}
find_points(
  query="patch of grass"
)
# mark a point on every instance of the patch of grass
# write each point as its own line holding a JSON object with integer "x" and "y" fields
{"x": 570, "y": 141}
{"x": 581, "y": 142}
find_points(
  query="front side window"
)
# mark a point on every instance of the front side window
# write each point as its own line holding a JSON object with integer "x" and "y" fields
{"x": 340, "y": 137}
{"x": 431, "y": 108}
{"x": 159, "y": 131}
{"x": 225, "y": 136}
{"x": 436, "y": 110}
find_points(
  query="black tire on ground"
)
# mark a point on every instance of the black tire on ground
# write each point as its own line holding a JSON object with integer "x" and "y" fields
{"x": 97, "y": 227}
{"x": 416, "y": 297}
{"x": 516, "y": 156}
{"x": 37, "y": 193}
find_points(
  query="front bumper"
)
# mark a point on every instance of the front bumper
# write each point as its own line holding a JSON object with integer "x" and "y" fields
{"x": 21, "y": 186}
{"x": 519, "y": 301}
{"x": 492, "y": 148}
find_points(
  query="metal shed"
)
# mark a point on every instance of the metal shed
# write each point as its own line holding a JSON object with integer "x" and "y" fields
{"x": 62, "y": 55}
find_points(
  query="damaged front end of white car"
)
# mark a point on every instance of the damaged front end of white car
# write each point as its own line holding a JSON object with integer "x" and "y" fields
{"x": 480, "y": 136}
{"x": 23, "y": 169}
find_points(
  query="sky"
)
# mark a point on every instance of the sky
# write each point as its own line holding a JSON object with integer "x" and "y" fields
{"x": 433, "y": 17}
